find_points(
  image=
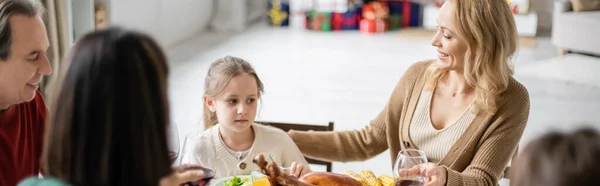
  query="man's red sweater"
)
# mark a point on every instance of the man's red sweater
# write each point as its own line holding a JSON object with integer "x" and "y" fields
{"x": 21, "y": 136}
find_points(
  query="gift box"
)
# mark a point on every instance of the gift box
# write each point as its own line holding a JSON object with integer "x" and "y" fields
{"x": 319, "y": 21}
{"x": 410, "y": 11}
{"x": 298, "y": 12}
{"x": 372, "y": 26}
{"x": 278, "y": 12}
{"x": 347, "y": 21}
{"x": 375, "y": 11}
{"x": 394, "y": 21}
{"x": 395, "y": 6}
{"x": 354, "y": 5}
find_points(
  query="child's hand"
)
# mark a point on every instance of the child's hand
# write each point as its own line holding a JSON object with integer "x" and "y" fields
{"x": 298, "y": 169}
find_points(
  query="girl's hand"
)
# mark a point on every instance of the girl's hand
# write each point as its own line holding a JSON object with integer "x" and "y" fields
{"x": 298, "y": 169}
{"x": 436, "y": 175}
{"x": 180, "y": 176}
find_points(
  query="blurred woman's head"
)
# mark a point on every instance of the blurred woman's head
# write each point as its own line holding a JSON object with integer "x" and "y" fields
{"x": 109, "y": 118}
{"x": 559, "y": 159}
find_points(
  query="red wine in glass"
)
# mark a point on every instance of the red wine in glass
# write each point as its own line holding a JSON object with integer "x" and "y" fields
{"x": 408, "y": 168}
{"x": 208, "y": 175}
{"x": 409, "y": 183}
{"x": 189, "y": 158}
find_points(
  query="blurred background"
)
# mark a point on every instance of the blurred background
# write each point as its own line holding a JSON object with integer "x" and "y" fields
{"x": 338, "y": 60}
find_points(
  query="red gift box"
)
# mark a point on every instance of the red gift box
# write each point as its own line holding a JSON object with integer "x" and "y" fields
{"x": 372, "y": 26}
{"x": 346, "y": 21}
{"x": 375, "y": 10}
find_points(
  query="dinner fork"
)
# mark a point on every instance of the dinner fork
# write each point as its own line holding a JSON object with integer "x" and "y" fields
{"x": 280, "y": 167}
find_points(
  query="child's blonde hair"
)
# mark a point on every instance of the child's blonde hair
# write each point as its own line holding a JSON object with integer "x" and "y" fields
{"x": 219, "y": 74}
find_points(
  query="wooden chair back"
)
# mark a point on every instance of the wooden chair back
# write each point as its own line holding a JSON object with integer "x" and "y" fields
{"x": 303, "y": 127}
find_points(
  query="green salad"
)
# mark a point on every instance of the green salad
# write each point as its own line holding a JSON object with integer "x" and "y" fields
{"x": 236, "y": 181}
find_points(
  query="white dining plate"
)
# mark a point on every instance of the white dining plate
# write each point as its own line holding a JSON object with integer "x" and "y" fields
{"x": 221, "y": 181}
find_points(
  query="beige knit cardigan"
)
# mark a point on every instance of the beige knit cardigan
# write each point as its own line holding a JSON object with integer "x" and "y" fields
{"x": 479, "y": 157}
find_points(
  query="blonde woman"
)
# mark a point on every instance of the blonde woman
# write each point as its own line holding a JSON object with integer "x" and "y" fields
{"x": 464, "y": 110}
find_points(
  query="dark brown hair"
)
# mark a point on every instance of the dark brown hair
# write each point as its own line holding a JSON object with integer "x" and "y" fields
{"x": 8, "y": 8}
{"x": 109, "y": 121}
{"x": 219, "y": 74}
{"x": 559, "y": 159}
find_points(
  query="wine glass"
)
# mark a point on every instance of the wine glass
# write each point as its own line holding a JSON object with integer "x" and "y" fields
{"x": 410, "y": 167}
{"x": 173, "y": 139}
{"x": 189, "y": 156}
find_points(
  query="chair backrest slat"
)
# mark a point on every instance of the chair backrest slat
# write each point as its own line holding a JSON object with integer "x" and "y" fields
{"x": 303, "y": 127}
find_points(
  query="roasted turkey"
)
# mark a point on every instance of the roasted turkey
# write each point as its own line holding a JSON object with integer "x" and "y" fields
{"x": 279, "y": 178}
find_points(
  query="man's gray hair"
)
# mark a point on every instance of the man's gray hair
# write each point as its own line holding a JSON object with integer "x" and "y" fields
{"x": 9, "y": 8}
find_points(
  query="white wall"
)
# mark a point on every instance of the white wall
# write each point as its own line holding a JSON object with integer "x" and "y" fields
{"x": 168, "y": 21}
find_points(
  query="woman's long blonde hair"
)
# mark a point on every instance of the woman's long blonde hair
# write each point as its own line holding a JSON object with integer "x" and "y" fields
{"x": 489, "y": 29}
{"x": 219, "y": 74}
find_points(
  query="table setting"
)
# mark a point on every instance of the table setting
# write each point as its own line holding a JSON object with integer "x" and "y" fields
{"x": 407, "y": 171}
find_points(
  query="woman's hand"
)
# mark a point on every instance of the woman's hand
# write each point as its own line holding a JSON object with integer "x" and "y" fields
{"x": 298, "y": 169}
{"x": 436, "y": 175}
{"x": 182, "y": 175}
